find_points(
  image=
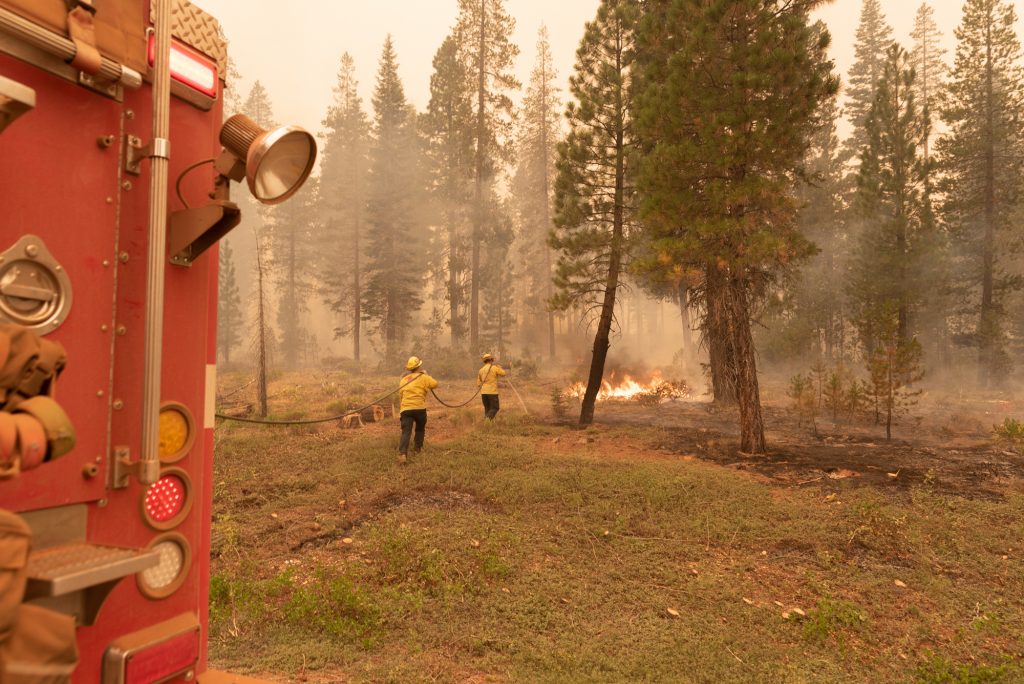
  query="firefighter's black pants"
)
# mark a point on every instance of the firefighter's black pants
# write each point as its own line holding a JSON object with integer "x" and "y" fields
{"x": 490, "y": 405}
{"x": 417, "y": 417}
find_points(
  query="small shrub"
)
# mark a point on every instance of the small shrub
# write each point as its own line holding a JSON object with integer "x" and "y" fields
{"x": 857, "y": 398}
{"x": 664, "y": 391}
{"x": 805, "y": 401}
{"x": 1011, "y": 432}
{"x": 559, "y": 403}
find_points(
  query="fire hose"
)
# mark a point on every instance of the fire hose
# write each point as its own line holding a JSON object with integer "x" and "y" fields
{"x": 328, "y": 419}
{"x": 311, "y": 421}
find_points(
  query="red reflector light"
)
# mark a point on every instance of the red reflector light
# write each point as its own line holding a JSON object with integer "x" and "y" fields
{"x": 188, "y": 67}
{"x": 165, "y": 498}
{"x": 156, "y": 663}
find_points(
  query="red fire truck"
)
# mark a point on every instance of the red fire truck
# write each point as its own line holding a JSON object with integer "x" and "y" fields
{"x": 115, "y": 166}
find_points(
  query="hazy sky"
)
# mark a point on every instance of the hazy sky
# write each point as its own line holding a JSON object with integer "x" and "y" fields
{"x": 295, "y": 50}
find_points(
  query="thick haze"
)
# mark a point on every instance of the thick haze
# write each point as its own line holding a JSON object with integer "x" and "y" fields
{"x": 295, "y": 51}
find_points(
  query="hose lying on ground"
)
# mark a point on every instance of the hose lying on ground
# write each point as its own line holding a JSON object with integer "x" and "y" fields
{"x": 311, "y": 421}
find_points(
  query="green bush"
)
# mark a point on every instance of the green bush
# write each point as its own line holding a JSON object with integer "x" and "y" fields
{"x": 1012, "y": 430}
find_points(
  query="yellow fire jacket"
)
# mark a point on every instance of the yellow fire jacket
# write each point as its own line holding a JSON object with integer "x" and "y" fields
{"x": 487, "y": 378}
{"x": 414, "y": 394}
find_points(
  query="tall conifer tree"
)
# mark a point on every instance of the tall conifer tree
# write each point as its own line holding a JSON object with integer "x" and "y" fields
{"x": 595, "y": 197}
{"x": 395, "y": 266}
{"x": 540, "y": 130}
{"x": 449, "y": 128}
{"x": 721, "y": 164}
{"x": 930, "y": 70}
{"x": 983, "y": 158}
{"x": 343, "y": 196}
{"x": 229, "y": 304}
{"x": 874, "y": 36}
{"x": 488, "y": 54}
{"x": 892, "y": 256}
{"x": 292, "y": 249}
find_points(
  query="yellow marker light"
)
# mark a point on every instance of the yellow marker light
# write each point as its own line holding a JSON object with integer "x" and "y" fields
{"x": 177, "y": 432}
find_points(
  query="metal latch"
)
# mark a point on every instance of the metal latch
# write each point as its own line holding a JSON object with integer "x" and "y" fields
{"x": 35, "y": 291}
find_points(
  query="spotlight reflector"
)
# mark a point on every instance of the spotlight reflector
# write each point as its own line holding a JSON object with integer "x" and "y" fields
{"x": 276, "y": 162}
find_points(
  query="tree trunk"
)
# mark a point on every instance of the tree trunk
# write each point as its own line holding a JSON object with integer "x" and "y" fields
{"x": 261, "y": 340}
{"x": 357, "y": 295}
{"x": 747, "y": 390}
{"x": 453, "y": 282}
{"x": 604, "y": 325}
{"x": 987, "y": 321}
{"x": 718, "y": 338}
{"x": 478, "y": 188}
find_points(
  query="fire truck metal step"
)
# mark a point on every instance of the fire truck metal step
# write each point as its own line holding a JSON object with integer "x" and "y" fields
{"x": 67, "y": 568}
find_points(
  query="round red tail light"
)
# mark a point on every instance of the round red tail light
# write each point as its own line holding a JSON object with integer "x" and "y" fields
{"x": 168, "y": 500}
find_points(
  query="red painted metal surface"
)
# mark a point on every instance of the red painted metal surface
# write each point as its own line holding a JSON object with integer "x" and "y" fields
{"x": 58, "y": 183}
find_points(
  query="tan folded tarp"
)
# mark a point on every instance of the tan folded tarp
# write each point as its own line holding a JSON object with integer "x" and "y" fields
{"x": 120, "y": 25}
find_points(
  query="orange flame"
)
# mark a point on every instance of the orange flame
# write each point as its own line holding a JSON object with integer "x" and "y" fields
{"x": 627, "y": 388}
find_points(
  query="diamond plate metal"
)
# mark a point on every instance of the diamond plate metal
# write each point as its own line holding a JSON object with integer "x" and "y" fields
{"x": 63, "y": 569}
{"x": 198, "y": 29}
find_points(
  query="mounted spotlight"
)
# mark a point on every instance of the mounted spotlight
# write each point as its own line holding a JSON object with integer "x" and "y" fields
{"x": 274, "y": 163}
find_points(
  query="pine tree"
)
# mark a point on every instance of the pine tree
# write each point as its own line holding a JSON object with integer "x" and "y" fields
{"x": 261, "y": 341}
{"x": 396, "y": 266}
{"x": 498, "y": 289}
{"x": 255, "y": 216}
{"x": 982, "y": 156}
{"x": 232, "y": 98}
{"x": 893, "y": 203}
{"x": 343, "y": 196}
{"x": 449, "y": 126}
{"x": 806, "y": 318}
{"x": 229, "y": 304}
{"x": 929, "y": 68}
{"x": 721, "y": 164}
{"x": 874, "y": 36}
{"x": 488, "y": 55}
{"x": 292, "y": 249}
{"x": 595, "y": 198}
{"x": 537, "y": 151}
{"x": 894, "y": 366}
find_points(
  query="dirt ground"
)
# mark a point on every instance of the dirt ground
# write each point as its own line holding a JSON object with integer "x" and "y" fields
{"x": 951, "y": 451}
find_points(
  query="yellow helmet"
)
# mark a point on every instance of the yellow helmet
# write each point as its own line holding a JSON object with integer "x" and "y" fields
{"x": 413, "y": 363}
{"x": 487, "y": 356}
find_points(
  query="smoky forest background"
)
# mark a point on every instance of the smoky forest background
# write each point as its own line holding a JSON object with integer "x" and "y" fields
{"x": 688, "y": 202}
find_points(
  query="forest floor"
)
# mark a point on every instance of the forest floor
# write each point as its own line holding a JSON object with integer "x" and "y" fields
{"x": 644, "y": 548}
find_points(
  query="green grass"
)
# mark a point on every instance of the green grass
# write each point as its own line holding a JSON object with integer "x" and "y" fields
{"x": 501, "y": 552}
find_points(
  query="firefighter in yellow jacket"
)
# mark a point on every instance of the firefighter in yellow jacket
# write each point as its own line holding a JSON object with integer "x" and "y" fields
{"x": 413, "y": 393}
{"x": 487, "y": 381}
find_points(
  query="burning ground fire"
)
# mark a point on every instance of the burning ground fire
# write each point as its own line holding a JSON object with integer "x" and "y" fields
{"x": 654, "y": 390}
